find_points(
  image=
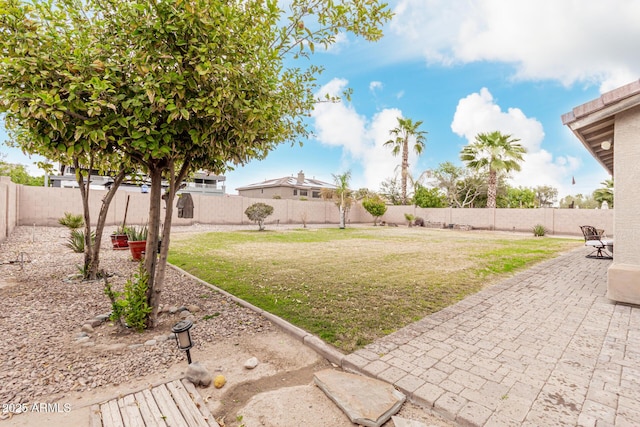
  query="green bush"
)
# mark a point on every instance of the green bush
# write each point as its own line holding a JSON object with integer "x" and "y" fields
{"x": 76, "y": 240}
{"x": 375, "y": 206}
{"x": 258, "y": 212}
{"x": 539, "y": 230}
{"x": 130, "y": 307}
{"x": 71, "y": 221}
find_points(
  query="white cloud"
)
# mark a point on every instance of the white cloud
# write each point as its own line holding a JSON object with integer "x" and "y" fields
{"x": 375, "y": 85}
{"x": 589, "y": 42}
{"x": 478, "y": 113}
{"x": 361, "y": 139}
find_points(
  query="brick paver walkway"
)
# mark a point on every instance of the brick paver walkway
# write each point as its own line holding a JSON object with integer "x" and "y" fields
{"x": 545, "y": 347}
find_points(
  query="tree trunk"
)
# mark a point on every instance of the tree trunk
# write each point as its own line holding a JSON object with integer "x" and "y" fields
{"x": 102, "y": 219}
{"x": 492, "y": 189}
{"x": 86, "y": 214}
{"x": 153, "y": 228}
{"x": 156, "y": 265}
{"x": 405, "y": 168}
{"x": 342, "y": 221}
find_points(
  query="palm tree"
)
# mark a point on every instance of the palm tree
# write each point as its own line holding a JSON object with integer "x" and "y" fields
{"x": 342, "y": 195}
{"x": 405, "y": 131}
{"x": 605, "y": 194}
{"x": 496, "y": 153}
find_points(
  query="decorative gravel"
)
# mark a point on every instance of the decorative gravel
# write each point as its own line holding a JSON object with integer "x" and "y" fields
{"x": 43, "y": 351}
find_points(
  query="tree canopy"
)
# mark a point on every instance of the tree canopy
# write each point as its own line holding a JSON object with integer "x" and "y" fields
{"x": 169, "y": 86}
{"x": 496, "y": 153}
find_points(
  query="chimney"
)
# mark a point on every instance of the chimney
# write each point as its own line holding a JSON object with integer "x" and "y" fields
{"x": 300, "y": 178}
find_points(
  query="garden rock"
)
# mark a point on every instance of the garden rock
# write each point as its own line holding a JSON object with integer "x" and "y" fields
{"x": 94, "y": 322}
{"x": 193, "y": 308}
{"x": 150, "y": 342}
{"x": 103, "y": 317}
{"x": 87, "y": 328}
{"x": 184, "y": 314}
{"x": 251, "y": 363}
{"x": 83, "y": 339}
{"x": 198, "y": 375}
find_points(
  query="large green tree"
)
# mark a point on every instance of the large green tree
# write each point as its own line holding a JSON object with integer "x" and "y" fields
{"x": 495, "y": 153}
{"x": 605, "y": 193}
{"x": 171, "y": 86}
{"x": 461, "y": 186}
{"x": 407, "y": 131}
{"x": 55, "y": 99}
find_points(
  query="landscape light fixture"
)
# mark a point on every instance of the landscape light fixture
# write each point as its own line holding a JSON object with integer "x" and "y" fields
{"x": 606, "y": 145}
{"x": 183, "y": 336}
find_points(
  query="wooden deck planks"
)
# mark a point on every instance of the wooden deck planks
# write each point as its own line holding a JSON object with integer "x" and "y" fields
{"x": 174, "y": 404}
{"x": 167, "y": 406}
{"x": 149, "y": 409}
{"x": 193, "y": 393}
{"x": 95, "y": 416}
{"x": 190, "y": 412}
{"x": 131, "y": 416}
{"x": 111, "y": 414}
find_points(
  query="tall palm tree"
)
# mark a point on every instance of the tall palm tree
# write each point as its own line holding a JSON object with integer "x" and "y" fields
{"x": 496, "y": 153}
{"x": 605, "y": 194}
{"x": 403, "y": 133}
{"x": 342, "y": 195}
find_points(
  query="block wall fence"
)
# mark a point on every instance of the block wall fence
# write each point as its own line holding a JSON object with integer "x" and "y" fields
{"x": 43, "y": 206}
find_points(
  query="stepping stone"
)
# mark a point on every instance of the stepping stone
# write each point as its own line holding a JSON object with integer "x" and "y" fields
{"x": 366, "y": 401}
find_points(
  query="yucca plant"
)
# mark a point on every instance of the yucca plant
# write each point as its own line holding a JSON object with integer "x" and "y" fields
{"x": 76, "y": 240}
{"x": 539, "y": 230}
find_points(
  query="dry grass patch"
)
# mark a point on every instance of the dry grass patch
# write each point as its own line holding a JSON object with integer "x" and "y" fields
{"x": 352, "y": 286}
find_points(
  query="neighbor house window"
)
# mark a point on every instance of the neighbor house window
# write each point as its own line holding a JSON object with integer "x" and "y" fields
{"x": 295, "y": 192}
{"x": 303, "y": 192}
{"x": 315, "y": 194}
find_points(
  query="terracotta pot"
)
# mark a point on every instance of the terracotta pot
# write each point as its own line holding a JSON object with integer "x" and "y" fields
{"x": 137, "y": 248}
{"x": 119, "y": 241}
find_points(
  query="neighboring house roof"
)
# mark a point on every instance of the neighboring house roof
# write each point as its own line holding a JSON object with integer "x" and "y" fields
{"x": 290, "y": 181}
{"x": 593, "y": 122}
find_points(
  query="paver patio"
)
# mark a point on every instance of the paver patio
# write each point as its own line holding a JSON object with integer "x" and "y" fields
{"x": 544, "y": 347}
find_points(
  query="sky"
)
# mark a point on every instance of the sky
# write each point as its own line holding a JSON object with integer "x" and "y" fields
{"x": 461, "y": 67}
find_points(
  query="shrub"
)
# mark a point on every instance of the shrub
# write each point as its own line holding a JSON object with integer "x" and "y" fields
{"x": 76, "y": 240}
{"x": 409, "y": 217}
{"x": 258, "y": 212}
{"x": 71, "y": 221}
{"x": 131, "y": 307}
{"x": 375, "y": 206}
{"x": 539, "y": 230}
{"x": 419, "y": 222}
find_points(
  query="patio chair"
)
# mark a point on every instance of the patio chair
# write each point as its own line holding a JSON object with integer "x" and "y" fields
{"x": 596, "y": 239}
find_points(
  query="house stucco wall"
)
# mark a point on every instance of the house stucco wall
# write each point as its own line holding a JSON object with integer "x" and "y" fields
{"x": 624, "y": 274}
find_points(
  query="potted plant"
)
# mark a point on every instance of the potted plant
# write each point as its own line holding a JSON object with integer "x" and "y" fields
{"x": 137, "y": 239}
{"x": 119, "y": 238}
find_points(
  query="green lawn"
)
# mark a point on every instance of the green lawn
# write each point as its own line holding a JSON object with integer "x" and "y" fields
{"x": 352, "y": 286}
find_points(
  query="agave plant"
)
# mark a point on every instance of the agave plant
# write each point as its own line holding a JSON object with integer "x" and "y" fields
{"x": 137, "y": 234}
{"x": 76, "y": 240}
